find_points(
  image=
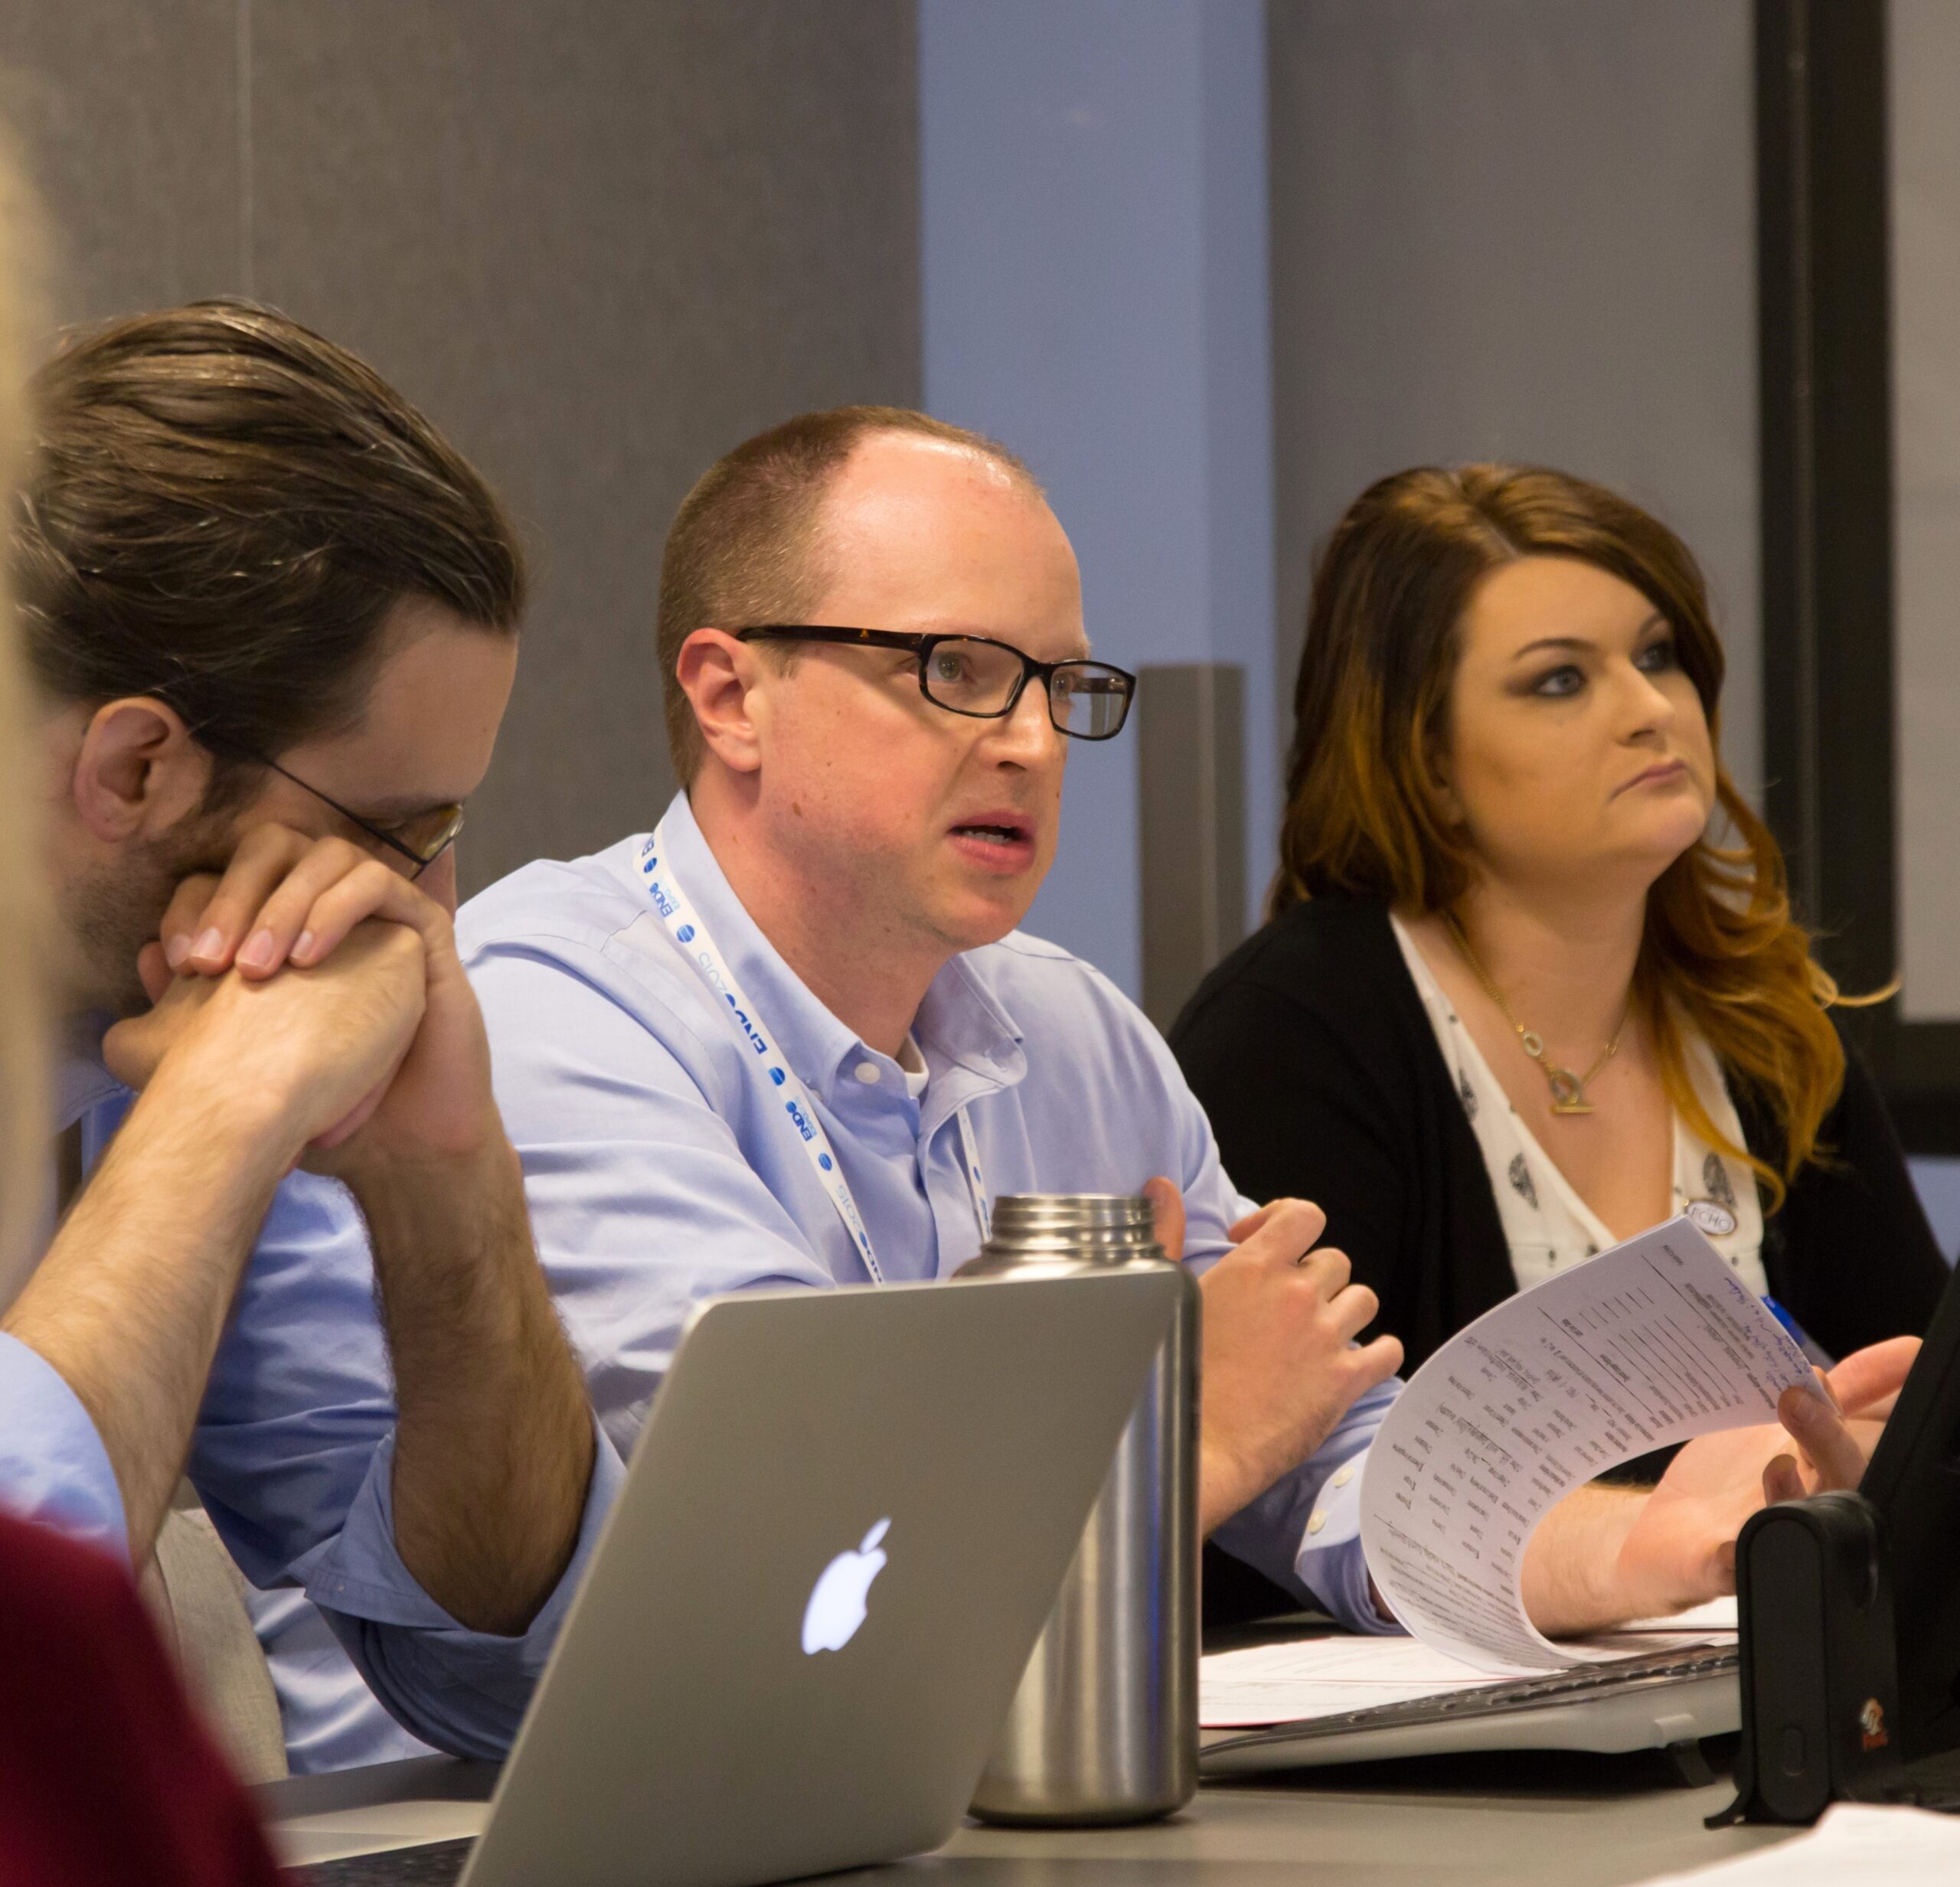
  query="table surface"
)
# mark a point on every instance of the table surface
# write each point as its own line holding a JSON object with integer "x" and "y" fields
{"x": 1514, "y": 1821}
{"x": 1511, "y": 1819}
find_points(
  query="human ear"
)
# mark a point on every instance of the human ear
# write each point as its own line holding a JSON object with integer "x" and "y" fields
{"x": 138, "y": 770}
{"x": 719, "y": 673}
{"x": 1443, "y": 795}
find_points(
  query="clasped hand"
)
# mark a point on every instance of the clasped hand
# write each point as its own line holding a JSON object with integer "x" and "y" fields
{"x": 313, "y": 981}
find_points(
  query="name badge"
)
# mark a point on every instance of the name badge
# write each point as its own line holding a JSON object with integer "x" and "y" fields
{"x": 1716, "y": 1220}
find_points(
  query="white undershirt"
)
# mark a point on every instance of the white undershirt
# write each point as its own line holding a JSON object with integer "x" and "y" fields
{"x": 912, "y": 1066}
{"x": 1546, "y": 1225}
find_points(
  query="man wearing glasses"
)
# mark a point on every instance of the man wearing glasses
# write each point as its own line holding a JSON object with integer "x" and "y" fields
{"x": 274, "y": 615}
{"x": 792, "y": 1036}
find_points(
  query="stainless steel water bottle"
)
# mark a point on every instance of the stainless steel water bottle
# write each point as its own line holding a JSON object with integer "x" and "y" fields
{"x": 1104, "y": 1727}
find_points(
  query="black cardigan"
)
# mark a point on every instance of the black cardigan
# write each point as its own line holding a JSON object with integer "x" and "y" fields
{"x": 1311, "y": 1051}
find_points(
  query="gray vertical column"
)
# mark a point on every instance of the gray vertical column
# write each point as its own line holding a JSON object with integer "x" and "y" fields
{"x": 1191, "y": 819}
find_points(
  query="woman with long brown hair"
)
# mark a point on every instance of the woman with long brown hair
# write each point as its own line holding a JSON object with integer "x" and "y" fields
{"x": 1531, "y": 983}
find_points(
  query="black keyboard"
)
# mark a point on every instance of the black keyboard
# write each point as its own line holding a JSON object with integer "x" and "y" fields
{"x": 433, "y": 1864}
{"x": 1512, "y": 1694}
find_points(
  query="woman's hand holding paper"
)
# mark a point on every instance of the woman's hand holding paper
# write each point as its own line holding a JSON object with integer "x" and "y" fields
{"x": 1677, "y": 1544}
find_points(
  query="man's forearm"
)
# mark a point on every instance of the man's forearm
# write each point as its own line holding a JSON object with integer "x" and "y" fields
{"x": 494, "y": 1452}
{"x": 1571, "y": 1566}
{"x": 131, "y": 1299}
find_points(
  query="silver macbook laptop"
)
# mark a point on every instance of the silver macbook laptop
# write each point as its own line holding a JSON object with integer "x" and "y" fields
{"x": 844, "y": 1524}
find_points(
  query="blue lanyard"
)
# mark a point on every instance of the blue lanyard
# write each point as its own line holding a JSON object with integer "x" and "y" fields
{"x": 798, "y": 1112}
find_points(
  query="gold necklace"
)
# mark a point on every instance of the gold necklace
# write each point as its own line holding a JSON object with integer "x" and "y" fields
{"x": 1568, "y": 1089}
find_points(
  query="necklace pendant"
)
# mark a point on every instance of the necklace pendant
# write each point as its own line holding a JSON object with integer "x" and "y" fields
{"x": 1572, "y": 1107}
{"x": 1568, "y": 1093}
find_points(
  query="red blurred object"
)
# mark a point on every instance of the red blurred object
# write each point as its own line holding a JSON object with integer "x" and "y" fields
{"x": 106, "y": 1774}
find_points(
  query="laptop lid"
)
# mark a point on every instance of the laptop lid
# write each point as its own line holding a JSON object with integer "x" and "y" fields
{"x": 844, "y": 1526}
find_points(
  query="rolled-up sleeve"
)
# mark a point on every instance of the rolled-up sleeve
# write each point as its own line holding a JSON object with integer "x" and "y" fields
{"x": 54, "y": 1468}
{"x": 464, "y": 1691}
{"x": 1304, "y": 1531}
{"x": 294, "y": 1456}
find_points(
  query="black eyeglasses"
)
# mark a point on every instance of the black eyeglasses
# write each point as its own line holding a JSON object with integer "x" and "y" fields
{"x": 421, "y": 839}
{"x": 976, "y": 676}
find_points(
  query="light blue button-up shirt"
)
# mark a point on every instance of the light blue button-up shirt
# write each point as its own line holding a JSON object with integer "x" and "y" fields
{"x": 661, "y": 1170}
{"x": 291, "y": 1456}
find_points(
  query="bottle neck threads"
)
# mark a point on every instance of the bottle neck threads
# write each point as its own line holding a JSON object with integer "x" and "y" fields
{"x": 1113, "y": 1227}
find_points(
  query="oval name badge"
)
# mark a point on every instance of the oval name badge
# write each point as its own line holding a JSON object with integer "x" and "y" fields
{"x": 1718, "y": 1221}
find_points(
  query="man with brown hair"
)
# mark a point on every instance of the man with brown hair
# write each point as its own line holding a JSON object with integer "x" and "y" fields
{"x": 793, "y": 1037}
{"x": 274, "y": 615}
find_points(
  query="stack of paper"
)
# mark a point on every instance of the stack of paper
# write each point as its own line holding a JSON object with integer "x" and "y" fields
{"x": 1317, "y": 1677}
{"x": 1329, "y": 1677}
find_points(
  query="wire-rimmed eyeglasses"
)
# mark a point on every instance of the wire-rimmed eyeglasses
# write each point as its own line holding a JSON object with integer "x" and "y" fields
{"x": 422, "y": 838}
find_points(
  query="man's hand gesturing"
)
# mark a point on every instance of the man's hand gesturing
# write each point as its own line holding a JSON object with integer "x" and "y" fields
{"x": 1281, "y": 1364}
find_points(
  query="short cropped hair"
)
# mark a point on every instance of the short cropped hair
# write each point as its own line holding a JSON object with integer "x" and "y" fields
{"x": 223, "y": 509}
{"x": 741, "y": 550}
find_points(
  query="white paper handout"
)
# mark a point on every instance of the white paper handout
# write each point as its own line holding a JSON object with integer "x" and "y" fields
{"x": 1854, "y": 1845}
{"x": 1652, "y": 1343}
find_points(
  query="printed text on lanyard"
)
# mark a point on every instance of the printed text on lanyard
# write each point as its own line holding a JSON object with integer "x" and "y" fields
{"x": 690, "y": 934}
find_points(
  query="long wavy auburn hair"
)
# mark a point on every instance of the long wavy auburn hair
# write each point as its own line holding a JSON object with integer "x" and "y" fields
{"x": 1722, "y": 950}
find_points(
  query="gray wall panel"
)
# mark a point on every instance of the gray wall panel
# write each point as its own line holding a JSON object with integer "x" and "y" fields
{"x": 126, "y": 114}
{"x": 600, "y": 245}
{"x": 1520, "y": 229}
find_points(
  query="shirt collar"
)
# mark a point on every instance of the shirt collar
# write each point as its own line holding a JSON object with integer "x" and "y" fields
{"x": 961, "y": 1021}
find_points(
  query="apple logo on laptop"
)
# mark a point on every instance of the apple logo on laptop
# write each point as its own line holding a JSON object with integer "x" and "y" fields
{"x": 837, "y": 1602}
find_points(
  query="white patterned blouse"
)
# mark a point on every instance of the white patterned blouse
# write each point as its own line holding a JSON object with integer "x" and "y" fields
{"x": 1547, "y": 1225}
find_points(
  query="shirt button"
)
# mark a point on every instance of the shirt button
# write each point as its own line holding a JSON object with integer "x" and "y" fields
{"x": 1317, "y": 1519}
{"x": 1344, "y": 1475}
{"x": 867, "y": 1073}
